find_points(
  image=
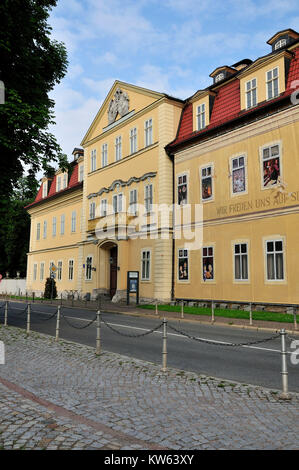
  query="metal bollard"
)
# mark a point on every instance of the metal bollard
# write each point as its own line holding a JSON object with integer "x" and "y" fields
{"x": 5, "y": 313}
{"x": 98, "y": 340}
{"x": 28, "y": 318}
{"x": 182, "y": 309}
{"x": 284, "y": 369}
{"x": 164, "y": 346}
{"x": 72, "y": 299}
{"x": 156, "y": 308}
{"x": 295, "y": 318}
{"x": 213, "y": 311}
{"x": 57, "y": 323}
{"x": 250, "y": 314}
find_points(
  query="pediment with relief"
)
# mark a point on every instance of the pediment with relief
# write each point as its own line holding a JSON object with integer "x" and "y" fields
{"x": 119, "y": 105}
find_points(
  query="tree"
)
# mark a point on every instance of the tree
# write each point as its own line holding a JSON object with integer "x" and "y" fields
{"x": 50, "y": 289}
{"x": 31, "y": 63}
{"x": 15, "y": 226}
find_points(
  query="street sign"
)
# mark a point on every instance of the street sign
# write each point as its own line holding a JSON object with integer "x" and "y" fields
{"x": 53, "y": 268}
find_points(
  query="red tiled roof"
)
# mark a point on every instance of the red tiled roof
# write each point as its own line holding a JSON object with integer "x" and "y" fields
{"x": 74, "y": 177}
{"x": 73, "y": 182}
{"x": 52, "y": 187}
{"x": 227, "y": 105}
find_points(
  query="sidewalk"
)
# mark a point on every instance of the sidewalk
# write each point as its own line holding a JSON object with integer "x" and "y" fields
{"x": 60, "y": 395}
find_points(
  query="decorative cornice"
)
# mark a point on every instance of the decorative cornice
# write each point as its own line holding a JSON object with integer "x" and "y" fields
{"x": 122, "y": 183}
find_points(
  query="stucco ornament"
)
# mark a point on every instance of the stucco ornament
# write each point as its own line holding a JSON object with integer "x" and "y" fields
{"x": 118, "y": 105}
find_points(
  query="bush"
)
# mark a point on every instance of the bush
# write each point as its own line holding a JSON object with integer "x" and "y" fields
{"x": 50, "y": 289}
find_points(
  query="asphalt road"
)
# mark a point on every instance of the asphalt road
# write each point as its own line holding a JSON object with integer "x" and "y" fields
{"x": 257, "y": 364}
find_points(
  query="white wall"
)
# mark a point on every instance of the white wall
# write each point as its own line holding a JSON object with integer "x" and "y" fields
{"x": 13, "y": 286}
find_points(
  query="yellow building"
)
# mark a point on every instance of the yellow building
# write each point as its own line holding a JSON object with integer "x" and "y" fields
{"x": 125, "y": 173}
{"x": 237, "y": 157}
{"x": 226, "y": 160}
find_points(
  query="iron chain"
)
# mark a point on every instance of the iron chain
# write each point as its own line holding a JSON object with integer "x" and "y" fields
{"x": 220, "y": 343}
{"x": 130, "y": 335}
{"x": 78, "y": 327}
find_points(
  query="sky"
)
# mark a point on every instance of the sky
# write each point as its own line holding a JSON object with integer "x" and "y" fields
{"x": 168, "y": 46}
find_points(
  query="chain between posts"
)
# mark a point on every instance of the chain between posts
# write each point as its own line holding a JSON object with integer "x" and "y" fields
{"x": 78, "y": 327}
{"x": 130, "y": 335}
{"x": 216, "y": 343}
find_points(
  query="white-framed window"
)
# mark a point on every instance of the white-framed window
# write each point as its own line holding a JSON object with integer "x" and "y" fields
{"x": 88, "y": 268}
{"x": 207, "y": 183}
{"x": 38, "y": 231}
{"x": 272, "y": 83}
{"x": 64, "y": 180}
{"x": 133, "y": 140}
{"x": 241, "y": 261}
{"x": 133, "y": 202}
{"x": 280, "y": 43}
{"x": 71, "y": 269}
{"x": 201, "y": 116}
{"x": 148, "y": 197}
{"x": 238, "y": 170}
{"x": 219, "y": 77}
{"x": 251, "y": 93}
{"x": 208, "y": 263}
{"x": 103, "y": 208}
{"x": 117, "y": 203}
{"x": 183, "y": 264}
{"x": 271, "y": 165}
{"x": 58, "y": 183}
{"x": 62, "y": 224}
{"x": 148, "y": 132}
{"x": 34, "y": 271}
{"x": 93, "y": 160}
{"x": 118, "y": 149}
{"x": 73, "y": 221}
{"x": 42, "y": 271}
{"x": 275, "y": 260}
{"x": 59, "y": 270}
{"x": 45, "y": 229}
{"x": 54, "y": 226}
{"x": 81, "y": 172}
{"x": 145, "y": 265}
{"x": 92, "y": 210}
{"x": 104, "y": 155}
{"x": 182, "y": 186}
{"x": 45, "y": 189}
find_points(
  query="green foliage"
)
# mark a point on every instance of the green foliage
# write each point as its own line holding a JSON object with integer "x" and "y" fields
{"x": 50, "y": 289}
{"x": 31, "y": 64}
{"x": 15, "y": 227}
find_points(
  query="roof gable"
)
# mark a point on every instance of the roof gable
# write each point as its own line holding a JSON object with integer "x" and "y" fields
{"x": 137, "y": 98}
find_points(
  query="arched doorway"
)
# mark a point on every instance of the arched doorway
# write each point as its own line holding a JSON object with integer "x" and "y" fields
{"x": 109, "y": 253}
{"x": 113, "y": 271}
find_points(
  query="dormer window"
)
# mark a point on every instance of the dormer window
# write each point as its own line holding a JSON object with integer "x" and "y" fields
{"x": 221, "y": 73}
{"x": 284, "y": 38}
{"x": 45, "y": 189}
{"x": 201, "y": 116}
{"x": 280, "y": 43}
{"x": 219, "y": 77}
{"x": 251, "y": 93}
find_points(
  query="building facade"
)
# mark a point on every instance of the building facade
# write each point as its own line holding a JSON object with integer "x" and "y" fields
{"x": 237, "y": 154}
{"x": 125, "y": 173}
{"x": 200, "y": 197}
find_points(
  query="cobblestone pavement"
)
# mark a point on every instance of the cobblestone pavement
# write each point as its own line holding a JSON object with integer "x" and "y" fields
{"x": 60, "y": 395}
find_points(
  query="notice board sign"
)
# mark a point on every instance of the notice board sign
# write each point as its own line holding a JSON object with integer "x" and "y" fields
{"x": 133, "y": 285}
